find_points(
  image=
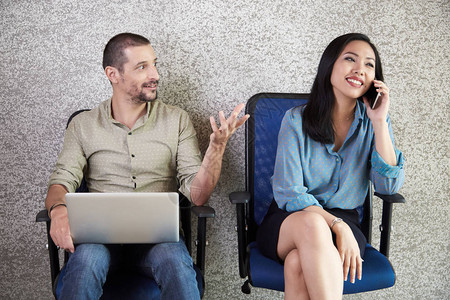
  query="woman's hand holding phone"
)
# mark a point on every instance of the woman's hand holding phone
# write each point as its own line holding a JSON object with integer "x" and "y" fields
{"x": 378, "y": 117}
{"x": 377, "y": 112}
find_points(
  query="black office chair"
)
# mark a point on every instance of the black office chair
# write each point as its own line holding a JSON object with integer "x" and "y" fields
{"x": 261, "y": 134}
{"x": 122, "y": 284}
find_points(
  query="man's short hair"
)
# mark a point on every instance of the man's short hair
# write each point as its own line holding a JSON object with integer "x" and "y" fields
{"x": 114, "y": 56}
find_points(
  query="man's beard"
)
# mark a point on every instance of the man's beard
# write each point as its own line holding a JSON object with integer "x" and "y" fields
{"x": 143, "y": 98}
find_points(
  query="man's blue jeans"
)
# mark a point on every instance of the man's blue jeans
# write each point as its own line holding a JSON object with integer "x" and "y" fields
{"x": 169, "y": 264}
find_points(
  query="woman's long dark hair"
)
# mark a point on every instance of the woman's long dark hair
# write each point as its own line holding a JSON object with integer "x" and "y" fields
{"x": 317, "y": 122}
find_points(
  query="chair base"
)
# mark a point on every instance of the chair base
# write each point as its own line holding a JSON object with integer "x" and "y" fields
{"x": 246, "y": 288}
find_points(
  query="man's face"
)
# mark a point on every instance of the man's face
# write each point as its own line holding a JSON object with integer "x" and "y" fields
{"x": 139, "y": 78}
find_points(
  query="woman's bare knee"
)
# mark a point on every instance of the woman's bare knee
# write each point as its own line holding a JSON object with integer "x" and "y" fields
{"x": 302, "y": 228}
{"x": 313, "y": 222}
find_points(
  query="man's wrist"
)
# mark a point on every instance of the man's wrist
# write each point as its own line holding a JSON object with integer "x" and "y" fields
{"x": 55, "y": 206}
{"x": 220, "y": 147}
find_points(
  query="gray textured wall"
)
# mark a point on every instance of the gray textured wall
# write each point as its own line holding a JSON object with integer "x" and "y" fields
{"x": 215, "y": 54}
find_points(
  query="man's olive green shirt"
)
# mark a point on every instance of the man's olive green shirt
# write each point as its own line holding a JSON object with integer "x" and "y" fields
{"x": 159, "y": 154}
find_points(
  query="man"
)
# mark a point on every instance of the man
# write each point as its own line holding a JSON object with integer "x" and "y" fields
{"x": 133, "y": 142}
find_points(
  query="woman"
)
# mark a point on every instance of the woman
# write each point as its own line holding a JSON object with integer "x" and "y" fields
{"x": 327, "y": 152}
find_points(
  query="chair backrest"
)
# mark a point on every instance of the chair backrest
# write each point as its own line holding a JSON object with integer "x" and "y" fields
{"x": 267, "y": 111}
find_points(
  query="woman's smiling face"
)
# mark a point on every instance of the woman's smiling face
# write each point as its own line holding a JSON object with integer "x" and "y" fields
{"x": 354, "y": 70}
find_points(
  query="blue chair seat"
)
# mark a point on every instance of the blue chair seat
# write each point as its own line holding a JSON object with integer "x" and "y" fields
{"x": 377, "y": 272}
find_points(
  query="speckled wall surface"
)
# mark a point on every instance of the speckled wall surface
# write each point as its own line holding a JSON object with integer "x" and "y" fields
{"x": 214, "y": 54}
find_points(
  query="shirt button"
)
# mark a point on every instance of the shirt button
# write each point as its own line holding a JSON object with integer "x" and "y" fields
{"x": 132, "y": 155}
{"x": 129, "y": 133}
{"x": 134, "y": 177}
{"x": 337, "y": 159}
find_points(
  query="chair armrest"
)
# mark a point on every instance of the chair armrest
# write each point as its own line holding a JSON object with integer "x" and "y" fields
{"x": 42, "y": 216}
{"x": 386, "y": 220}
{"x": 203, "y": 213}
{"x": 241, "y": 199}
{"x": 395, "y": 198}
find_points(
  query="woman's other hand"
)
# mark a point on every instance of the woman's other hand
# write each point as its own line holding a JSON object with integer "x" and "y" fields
{"x": 349, "y": 251}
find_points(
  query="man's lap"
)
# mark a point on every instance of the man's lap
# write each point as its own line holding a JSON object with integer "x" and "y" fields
{"x": 128, "y": 255}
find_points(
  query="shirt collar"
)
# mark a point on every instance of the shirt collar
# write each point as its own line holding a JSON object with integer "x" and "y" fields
{"x": 139, "y": 122}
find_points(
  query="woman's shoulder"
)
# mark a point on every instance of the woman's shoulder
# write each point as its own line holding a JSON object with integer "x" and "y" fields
{"x": 295, "y": 113}
{"x": 293, "y": 118}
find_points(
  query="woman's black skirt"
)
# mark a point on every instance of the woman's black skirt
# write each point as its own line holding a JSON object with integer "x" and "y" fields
{"x": 269, "y": 230}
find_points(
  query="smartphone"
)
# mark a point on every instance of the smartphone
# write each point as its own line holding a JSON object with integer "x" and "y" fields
{"x": 372, "y": 96}
{"x": 376, "y": 99}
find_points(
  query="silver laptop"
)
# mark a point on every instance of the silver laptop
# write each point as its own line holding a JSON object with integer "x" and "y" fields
{"x": 123, "y": 218}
